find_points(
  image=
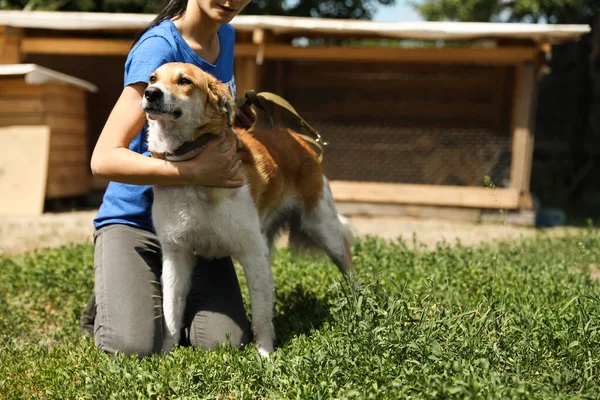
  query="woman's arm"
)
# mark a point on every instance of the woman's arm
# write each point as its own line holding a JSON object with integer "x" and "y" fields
{"x": 113, "y": 160}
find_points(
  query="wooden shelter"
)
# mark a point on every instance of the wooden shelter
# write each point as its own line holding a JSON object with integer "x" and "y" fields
{"x": 427, "y": 115}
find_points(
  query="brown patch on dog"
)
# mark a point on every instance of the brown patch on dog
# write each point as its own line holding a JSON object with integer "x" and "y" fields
{"x": 277, "y": 164}
{"x": 218, "y": 96}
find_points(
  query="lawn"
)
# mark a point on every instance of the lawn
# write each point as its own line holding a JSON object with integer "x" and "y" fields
{"x": 513, "y": 320}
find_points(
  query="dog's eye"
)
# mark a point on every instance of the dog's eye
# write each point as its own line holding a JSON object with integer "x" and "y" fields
{"x": 184, "y": 81}
{"x": 152, "y": 79}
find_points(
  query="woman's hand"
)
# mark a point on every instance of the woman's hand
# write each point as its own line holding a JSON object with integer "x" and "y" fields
{"x": 212, "y": 167}
{"x": 245, "y": 116}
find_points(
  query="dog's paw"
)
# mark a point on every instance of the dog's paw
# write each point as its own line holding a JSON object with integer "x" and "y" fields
{"x": 168, "y": 344}
{"x": 265, "y": 347}
{"x": 264, "y": 352}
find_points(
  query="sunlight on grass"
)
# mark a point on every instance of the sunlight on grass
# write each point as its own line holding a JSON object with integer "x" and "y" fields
{"x": 514, "y": 320}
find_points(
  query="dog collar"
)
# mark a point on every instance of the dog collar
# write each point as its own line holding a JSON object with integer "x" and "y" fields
{"x": 187, "y": 148}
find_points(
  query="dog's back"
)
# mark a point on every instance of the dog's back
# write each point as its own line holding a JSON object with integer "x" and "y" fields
{"x": 279, "y": 165}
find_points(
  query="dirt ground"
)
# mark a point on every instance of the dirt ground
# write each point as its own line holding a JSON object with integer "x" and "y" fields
{"x": 20, "y": 234}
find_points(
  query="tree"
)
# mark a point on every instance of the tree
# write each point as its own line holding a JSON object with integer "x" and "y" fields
{"x": 351, "y": 9}
{"x": 551, "y": 11}
{"x": 126, "y": 6}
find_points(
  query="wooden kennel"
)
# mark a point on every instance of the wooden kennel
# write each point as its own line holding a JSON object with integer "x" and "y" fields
{"x": 34, "y": 97}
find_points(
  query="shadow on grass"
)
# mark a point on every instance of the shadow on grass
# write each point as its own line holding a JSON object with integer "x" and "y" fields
{"x": 300, "y": 312}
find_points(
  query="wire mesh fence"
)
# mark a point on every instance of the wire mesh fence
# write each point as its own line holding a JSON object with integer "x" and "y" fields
{"x": 421, "y": 124}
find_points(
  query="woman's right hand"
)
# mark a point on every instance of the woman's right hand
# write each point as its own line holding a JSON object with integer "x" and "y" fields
{"x": 212, "y": 167}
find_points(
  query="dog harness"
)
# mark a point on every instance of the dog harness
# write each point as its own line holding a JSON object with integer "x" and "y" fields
{"x": 251, "y": 97}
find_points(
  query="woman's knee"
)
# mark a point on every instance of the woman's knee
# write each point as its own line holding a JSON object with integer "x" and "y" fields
{"x": 127, "y": 341}
{"x": 210, "y": 328}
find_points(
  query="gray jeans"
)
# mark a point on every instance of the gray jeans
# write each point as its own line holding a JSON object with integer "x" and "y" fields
{"x": 125, "y": 311}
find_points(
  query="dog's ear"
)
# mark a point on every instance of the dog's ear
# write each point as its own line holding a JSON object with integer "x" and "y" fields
{"x": 218, "y": 94}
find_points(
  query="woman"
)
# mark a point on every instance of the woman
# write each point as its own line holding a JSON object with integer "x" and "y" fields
{"x": 125, "y": 310}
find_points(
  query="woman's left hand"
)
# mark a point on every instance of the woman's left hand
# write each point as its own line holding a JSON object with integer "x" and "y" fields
{"x": 244, "y": 116}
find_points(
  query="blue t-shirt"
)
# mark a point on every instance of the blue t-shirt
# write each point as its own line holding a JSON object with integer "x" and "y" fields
{"x": 132, "y": 204}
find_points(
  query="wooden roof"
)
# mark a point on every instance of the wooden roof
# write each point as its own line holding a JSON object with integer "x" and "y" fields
{"x": 81, "y": 21}
{"x": 37, "y": 75}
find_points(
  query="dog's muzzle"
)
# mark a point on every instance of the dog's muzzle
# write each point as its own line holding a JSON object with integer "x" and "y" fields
{"x": 153, "y": 94}
{"x": 154, "y": 103}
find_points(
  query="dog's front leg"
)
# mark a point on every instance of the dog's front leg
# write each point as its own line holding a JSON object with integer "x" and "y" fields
{"x": 178, "y": 266}
{"x": 257, "y": 270}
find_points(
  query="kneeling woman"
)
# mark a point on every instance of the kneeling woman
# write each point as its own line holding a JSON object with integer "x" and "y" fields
{"x": 124, "y": 313}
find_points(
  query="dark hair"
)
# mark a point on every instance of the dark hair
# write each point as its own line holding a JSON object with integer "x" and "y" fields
{"x": 174, "y": 8}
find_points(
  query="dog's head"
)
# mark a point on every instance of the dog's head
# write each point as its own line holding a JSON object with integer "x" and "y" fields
{"x": 187, "y": 96}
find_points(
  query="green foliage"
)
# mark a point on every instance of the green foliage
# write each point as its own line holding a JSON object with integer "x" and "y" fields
{"x": 132, "y": 6}
{"x": 514, "y": 320}
{"x": 352, "y": 9}
{"x": 552, "y": 11}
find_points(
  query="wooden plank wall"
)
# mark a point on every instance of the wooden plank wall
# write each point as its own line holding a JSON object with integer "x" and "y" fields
{"x": 405, "y": 123}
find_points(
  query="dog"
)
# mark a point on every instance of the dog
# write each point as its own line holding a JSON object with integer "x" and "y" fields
{"x": 284, "y": 188}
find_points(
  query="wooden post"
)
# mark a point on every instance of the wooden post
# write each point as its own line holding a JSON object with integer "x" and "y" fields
{"x": 248, "y": 68}
{"x": 523, "y": 126}
{"x": 245, "y": 75}
{"x": 10, "y": 45}
{"x": 244, "y": 66}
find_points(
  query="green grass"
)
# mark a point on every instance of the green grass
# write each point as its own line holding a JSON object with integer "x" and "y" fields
{"x": 518, "y": 320}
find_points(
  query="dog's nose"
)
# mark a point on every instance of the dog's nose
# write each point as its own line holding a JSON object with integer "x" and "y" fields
{"x": 153, "y": 94}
